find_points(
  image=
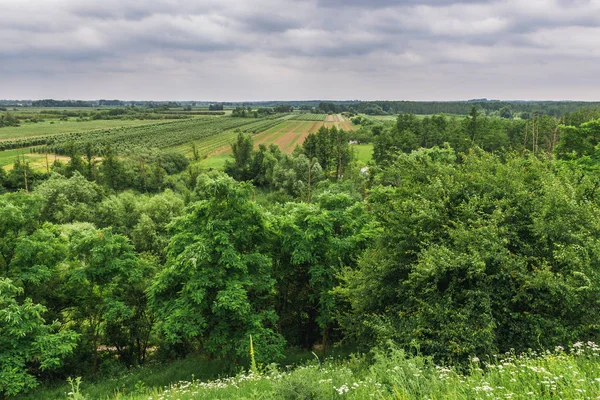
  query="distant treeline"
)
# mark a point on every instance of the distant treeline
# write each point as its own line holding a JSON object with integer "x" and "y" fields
{"x": 489, "y": 107}
{"x": 551, "y": 108}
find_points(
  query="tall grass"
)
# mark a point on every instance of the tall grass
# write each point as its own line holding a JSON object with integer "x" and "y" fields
{"x": 572, "y": 373}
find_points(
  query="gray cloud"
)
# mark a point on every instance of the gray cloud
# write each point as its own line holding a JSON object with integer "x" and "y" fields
{"x": 293, "y": 49}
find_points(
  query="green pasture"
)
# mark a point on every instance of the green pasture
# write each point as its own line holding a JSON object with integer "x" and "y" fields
{"x": 364, "y": 152}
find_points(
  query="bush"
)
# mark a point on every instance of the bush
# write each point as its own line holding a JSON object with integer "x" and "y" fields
{"x": 478, "y": 257}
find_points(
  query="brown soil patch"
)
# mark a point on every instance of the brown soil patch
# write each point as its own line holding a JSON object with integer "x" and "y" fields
{"x": 270, "y": 137}
{"x": 284, "y": 140}
{"x": 312, "y": 129}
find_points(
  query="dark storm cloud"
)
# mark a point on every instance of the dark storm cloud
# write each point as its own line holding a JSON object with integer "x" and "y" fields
{"x": 234, "y": 49}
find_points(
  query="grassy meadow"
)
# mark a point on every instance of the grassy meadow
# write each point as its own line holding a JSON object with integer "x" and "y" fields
{"x": 363, "y": 152}
{"x": 36, "y": 161}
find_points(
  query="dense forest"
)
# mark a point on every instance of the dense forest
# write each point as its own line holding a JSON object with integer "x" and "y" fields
{"x": 465, "y": 237}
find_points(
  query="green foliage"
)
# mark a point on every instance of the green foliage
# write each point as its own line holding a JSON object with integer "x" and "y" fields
{"x": 296, "y": 175}
{"x": 490, "y": 133}
{"x": 314, "y": 242}
{"x": 103, "y": 282}
{"x": 217, "y": 286}
{"x": 69, "y": 200}
{"x": 450, "y": 252}
{"x": 329, "y": 146}
{"x": 8, "y": 119}
{"x": 172, "y": 162}
{"x": 477, "y": 257}
{"x": 240, "y": 168}
{"x": 27, "y": 343}
{"x": 143, "y": 219}
{"x": 21, "y": 176}
{"x": 34, "y": 262}
{"x": 75, "y": 385}
{"x": 579, "y": 141}
{"x": 2, "y": 180}
{"x": 505, "y": 112}
{"x": 19, "y": 217}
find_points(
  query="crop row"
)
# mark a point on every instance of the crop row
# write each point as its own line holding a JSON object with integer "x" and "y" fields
{"x": 207, "y": 145}
{"x": 123, "y": 140}
{"x": 309, "y": 117}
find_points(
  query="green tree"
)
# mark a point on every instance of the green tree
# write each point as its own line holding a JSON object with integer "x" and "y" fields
{"x": 578, "y": 141}
{"x": 34, "y": 264}
{"x": 505, "y": 112}
{"x": 21, "y": 176}
{"x": 314, "y": 243}
{"x": 150, "y": 232}
{"x": 472, "y": 124}
{"x": 263, "y": 164}
{"x": 8, "y": 119}
{"x": 342, "y": 153}
{"x": 27, "y": 342}
{"x": 478, "y": 257}
{"x": 404, "y": 137}
{"x": 296, "y": 175}
{"x": 75, "y": 163}
{"x": 69, "y": 200}
{"x": 102, "y": 271}
{"x": 20, "y": 216}
{"x": 217, "y": 286}
{"x": 2, "y": 180}
{"x": 113, "y": 173}
{"x": 242, "y": 150}
{"x": 320, "y": 145}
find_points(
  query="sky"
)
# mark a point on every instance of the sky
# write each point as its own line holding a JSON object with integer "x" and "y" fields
{"x": 241, "y": 50}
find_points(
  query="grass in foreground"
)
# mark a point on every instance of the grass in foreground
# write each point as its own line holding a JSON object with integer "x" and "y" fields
{"x": 572, "y": 374}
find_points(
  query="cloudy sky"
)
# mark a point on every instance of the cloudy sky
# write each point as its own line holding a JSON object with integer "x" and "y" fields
{"x": 228, "y": 50}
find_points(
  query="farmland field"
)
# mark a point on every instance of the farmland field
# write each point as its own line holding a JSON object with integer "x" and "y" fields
{"x": 212, "y": 136}
{"x": 309, "y": 117}
{"x": 48, "y": 128}
{"x": 339, "y": 121}
{"x": 156, "y": 135}
{"x": 287, "y": 135}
